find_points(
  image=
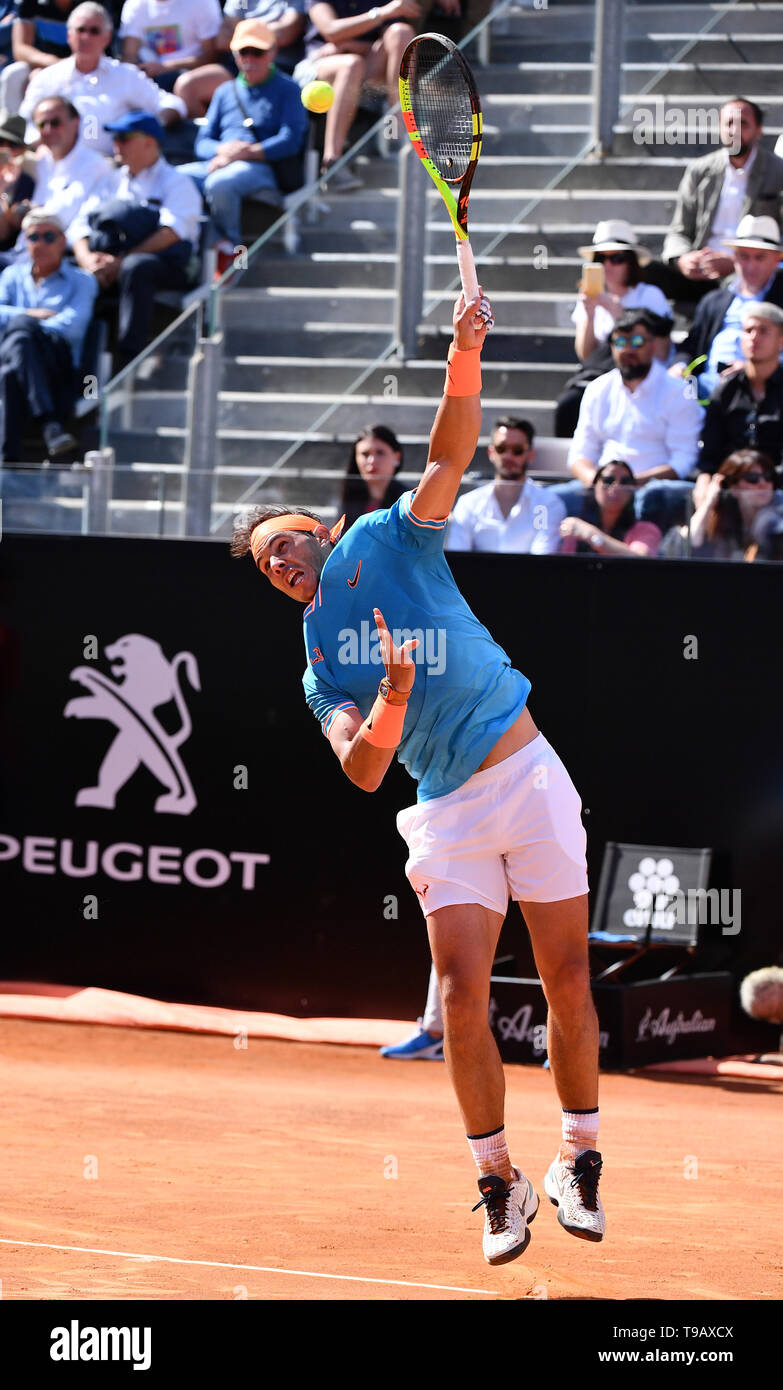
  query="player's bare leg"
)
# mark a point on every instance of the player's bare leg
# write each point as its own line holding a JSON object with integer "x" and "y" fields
{"x": 463, "y": 941}
{"x": 558, "y": 932}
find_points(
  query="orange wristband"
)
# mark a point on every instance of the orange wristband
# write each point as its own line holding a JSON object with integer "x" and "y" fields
{"x": 463, "y": 372}
{"x": 383, "y": 726}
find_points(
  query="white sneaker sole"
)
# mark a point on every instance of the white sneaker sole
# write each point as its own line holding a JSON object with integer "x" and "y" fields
{"x": 531, "y": 1207}
{"x": 553, "y": 1193}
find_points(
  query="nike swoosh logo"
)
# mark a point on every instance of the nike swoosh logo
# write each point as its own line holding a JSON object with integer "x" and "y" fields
{"x": 353, "y": 582}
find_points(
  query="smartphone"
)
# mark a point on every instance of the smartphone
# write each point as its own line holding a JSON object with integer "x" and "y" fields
{"x": 593, "y": 279}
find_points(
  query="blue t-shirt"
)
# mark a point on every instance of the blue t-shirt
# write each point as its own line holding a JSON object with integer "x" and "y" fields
{"x": 466, "y": 692}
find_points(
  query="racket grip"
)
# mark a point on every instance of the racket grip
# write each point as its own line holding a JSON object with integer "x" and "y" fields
{"x": 467, "y": 270}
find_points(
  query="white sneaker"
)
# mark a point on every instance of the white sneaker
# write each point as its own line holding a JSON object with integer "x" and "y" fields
{"x": 573, "y": 1188}
{"x": 508, "y": 1210}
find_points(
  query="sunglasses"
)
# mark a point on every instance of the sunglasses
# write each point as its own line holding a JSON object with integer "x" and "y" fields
{"x": 611, "y": 257}
{"x": 253, "y": 52}
{"x": 753, "y": 478}
{"x": 54, "y": 121}
{"x": 48, "y": 237}
{"x": 612, "y": 480}
{"x": 86, "y": 29}
{"x": 510, "y": 449}
{"x": 636, "y": 340}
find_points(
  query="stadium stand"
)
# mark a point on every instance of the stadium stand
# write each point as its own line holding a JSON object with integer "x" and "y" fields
{"x": 298, "y": 329}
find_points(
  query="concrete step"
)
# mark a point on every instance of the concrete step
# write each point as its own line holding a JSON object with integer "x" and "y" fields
{"x": 504, "y": 204}
{"x": 415, "y": 379}
{"x": 553, "y": 237}
{"x": 243, "y": 415}
{"x": 289, "y": 307}
{"x": 323, "y": 269}
{"x": 514, "y": 171}
{"x": 727, "y": 72}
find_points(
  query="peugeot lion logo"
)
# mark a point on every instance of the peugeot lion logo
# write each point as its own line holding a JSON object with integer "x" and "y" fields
{"x": 145, "y": 680}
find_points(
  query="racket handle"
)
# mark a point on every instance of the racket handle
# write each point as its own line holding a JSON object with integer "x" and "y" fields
{"x": 467, "y": 270}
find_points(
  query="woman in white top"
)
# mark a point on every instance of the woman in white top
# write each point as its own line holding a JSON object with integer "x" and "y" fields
{"x": 615, "y": 246}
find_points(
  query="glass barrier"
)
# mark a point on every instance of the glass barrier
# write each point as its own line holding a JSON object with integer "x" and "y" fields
{"x": 96, "y": 498}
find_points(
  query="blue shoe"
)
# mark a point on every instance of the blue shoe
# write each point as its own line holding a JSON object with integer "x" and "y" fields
{"x": 422, "y": 1047}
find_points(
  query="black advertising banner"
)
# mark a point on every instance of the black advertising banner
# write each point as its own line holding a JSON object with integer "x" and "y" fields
{"x": 172, "y": 821}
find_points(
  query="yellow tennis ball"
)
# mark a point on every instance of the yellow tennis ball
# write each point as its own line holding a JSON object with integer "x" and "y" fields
{"x": 317, "y": 96}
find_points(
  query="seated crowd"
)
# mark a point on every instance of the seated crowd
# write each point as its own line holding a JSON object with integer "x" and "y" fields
{"x": 98, "y": 139}
{"x": 676, "y": 438}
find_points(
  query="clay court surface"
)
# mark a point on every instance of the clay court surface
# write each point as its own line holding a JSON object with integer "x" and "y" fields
{"x": 225, "y": 1173}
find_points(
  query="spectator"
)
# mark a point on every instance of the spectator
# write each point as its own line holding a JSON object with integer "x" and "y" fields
{"x": 39, "y": 33}
{"x": 717, "y": 325}
{"x": 169, "y": 39}
{"x": 512, "y": 514}
{"x": 164, "y": 256}
{"x": 45, "y": 307}
{"x": 746, "y": 408}
{"x": 38, "y": 39}
{"x": 607, "y": 520}
{"x": 102, "y": 88}
{"x": 736, "y": 502}
{"x": 286, "y": 19}
{"x": 640, "y": 414}
{"x": 17, "y": 178}
{"x": 636, "y": 411}
{"x": 347, "y": 46}
{"x": 615, "y": 247}
{"x": 8, "y": 13}
{"x": 715, "y": 193}
{"x": 252, "y": 124}
{"x": 68, "y": 171}
{"x": 369, "y": 486}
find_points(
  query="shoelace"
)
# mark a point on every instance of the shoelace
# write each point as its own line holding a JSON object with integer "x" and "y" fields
{"x": 586, "y": 1179}
{"x": 495, "y": 1203}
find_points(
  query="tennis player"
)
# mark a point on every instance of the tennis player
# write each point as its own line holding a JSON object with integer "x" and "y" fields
{"x": 496, "y": 812}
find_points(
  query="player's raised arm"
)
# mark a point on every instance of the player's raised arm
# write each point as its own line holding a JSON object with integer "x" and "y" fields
{"x": 458, "y": 422}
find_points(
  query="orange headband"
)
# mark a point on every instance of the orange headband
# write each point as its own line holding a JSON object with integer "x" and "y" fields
{"x": 289, "y": 522}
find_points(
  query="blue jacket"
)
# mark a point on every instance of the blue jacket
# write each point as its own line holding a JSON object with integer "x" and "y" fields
{"x": 276, "y": 109}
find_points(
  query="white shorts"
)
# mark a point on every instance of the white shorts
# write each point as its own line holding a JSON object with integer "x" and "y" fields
{"x": 513, "y": 829}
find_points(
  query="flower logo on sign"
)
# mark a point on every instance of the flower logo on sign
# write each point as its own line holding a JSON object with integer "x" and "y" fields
{"x": 654, "y": 886}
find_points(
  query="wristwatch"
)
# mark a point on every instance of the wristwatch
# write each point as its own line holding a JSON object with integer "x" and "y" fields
{"x": 597, "y": 540}
{"x": 374, "y": 12}
{"x": 390, "y": 695}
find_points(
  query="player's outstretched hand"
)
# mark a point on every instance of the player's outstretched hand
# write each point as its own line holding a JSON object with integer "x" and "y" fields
{"x": 472, "y": 321}
{"x": 398, "y": 661}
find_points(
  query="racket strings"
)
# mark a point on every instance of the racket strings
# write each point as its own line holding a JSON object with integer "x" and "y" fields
{"x": 442, "y": 109}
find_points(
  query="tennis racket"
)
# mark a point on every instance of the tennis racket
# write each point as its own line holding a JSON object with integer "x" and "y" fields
{"x": 442, "y": 114}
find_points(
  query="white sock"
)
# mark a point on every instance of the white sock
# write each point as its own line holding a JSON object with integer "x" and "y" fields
{"x": 580, "y": 1132}
{"x": 490, "y": 1152}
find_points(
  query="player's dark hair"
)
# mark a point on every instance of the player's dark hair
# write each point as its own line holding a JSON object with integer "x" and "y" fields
{"x": 758, "y": 114}
{"x": 515, "y": 422}
{"x": 246, "y": 522}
